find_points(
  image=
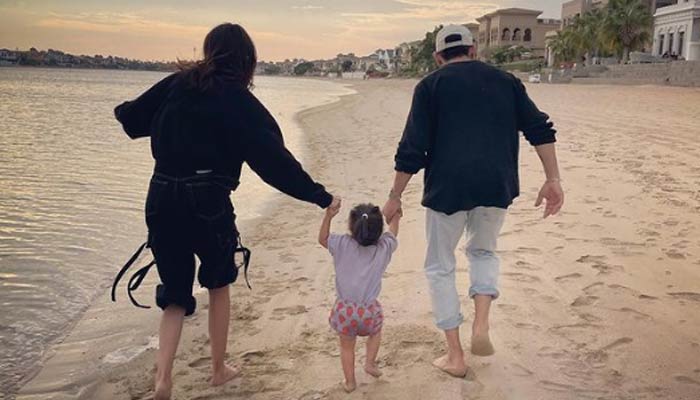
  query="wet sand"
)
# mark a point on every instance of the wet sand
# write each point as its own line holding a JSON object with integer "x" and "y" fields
{"x": 601, "y": 302}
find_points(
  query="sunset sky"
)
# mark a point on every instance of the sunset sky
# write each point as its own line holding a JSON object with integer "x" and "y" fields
{"x": 169, "y": 29}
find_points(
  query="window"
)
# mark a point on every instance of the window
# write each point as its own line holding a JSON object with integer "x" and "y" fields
{"x": 680, "y": 43}
{"x": 671, "y": 50}
{"x": 661, "y": 44}
{"x": 506, "y": 34}
{"x": 517, "y": 34}
{"x": 528, "y": 35}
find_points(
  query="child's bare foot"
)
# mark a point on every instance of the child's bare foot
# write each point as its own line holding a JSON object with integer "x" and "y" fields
{"x": 224, "y": 375}
{"x": 456, "y": 368}
{"x": 373, "y": 369}
{"x": 163, "y": 390}
{"x": 349, "y": 387}
{"x": 481, "y": 345}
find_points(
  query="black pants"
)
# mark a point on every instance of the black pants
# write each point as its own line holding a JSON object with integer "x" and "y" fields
{"x": 187, "y": 217}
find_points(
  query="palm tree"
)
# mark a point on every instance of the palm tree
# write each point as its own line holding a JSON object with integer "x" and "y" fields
{"x": 586, "y": 31}
{"x": 563, "y": 46}
{"x": 626, "y": 25}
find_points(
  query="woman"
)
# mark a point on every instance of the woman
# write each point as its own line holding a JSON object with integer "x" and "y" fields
{"x": 204, "y": 123}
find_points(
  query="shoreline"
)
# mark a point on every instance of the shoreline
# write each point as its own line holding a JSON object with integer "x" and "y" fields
{"x": 600, "y": 302}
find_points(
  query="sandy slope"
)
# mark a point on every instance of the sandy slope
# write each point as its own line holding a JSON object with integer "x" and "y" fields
{"x": 602, "y": 302}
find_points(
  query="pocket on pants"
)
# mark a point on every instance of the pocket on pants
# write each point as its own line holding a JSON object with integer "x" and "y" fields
{"x": 210, "y": 200}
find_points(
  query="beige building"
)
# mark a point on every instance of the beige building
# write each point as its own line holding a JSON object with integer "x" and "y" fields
{"x": 514, "y": 27}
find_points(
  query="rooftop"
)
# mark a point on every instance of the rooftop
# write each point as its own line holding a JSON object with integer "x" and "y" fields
{"x": 510, "y": 11}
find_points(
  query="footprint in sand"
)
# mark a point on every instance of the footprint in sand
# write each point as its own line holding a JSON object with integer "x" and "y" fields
{"x": 565, "y": 329}
{"x": 520, "y": 277}
{"x": 507, "y": 307}
{"x": 589, "y": 288}
{"x": 686, "y": 379}
{"x": 200, "y": 362}
{"x": 675, "y": 254}
{"x": 528, "y": 250}
{"x": 563, "y": 278}
{"x": 584, "y": 301}
{"x": 526, "y": 265}
{"x": 525, "y": 325}
{"x": 637, "y": 314}
{"x": 555, "y": 386}
{"x": 691, "y": 296}
{"x": 293, "y": 310}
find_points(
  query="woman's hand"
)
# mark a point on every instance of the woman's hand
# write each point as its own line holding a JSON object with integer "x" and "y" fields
{"x": 334, "y": 208}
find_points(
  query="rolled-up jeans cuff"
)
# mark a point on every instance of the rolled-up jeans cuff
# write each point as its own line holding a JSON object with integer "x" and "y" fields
{"x": 450, "y": 323}
{"x": 483, "y": 291}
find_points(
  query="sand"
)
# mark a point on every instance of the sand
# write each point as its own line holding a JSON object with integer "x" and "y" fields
{"x": 600, "y": 302}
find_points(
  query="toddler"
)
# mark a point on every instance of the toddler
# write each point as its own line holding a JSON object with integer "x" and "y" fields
{"x": 360, "y": 259}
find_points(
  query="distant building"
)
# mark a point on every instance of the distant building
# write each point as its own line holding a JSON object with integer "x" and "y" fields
{"x": 368, "y": 62}
{"x": 514, "y": 27}
{"x": 386, "y": 58}
{"x": 351, "y": 57}
{"x": 404, "y": 53}
{"x": 474, "y": 29}
{"x": 677, "y": 30}
{"x": 8, "y": 57}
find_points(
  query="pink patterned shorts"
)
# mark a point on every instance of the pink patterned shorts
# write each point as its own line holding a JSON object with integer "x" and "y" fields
{"x": 356, "y": 319}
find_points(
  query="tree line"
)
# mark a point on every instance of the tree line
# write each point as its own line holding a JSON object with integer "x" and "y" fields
{"x": 617, "y": 29}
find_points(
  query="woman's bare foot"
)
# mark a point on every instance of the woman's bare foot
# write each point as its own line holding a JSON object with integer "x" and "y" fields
{"x": 349, "y": 387}
{"x": 373, "y": 369}
{"x": 456, "y": 368}
{"x": 481, "y": 345}
{"x": 226, "y": 374}
{"x": 163, "y": 390}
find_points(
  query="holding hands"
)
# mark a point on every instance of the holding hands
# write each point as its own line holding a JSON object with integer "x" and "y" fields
{"x": 334, "y": 208}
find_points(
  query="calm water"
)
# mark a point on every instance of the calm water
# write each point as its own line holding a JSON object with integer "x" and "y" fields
{"x": 72, "y": 187}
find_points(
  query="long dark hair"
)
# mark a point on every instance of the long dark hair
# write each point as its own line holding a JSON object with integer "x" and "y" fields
{"x": 366, "y": 224}
{"x": 229, "y": 56}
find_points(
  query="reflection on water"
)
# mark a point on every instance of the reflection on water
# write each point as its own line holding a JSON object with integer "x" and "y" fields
{"x": 72, "y": 188}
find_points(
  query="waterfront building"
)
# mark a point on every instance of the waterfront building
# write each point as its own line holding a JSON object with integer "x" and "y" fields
{"x": 677, "y": 30}
{"x": 514, "y": 27}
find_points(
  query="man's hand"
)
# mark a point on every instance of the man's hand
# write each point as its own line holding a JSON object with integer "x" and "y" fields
{"x": 391, "y": 208}
{"x": 553, "y": 194}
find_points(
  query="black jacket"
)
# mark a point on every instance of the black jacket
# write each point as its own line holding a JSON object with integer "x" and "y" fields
{"x": 217, "y": 130}
{"x": 463, "y": 129}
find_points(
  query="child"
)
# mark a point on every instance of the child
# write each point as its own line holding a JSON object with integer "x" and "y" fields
{"x": 360, "y": 259}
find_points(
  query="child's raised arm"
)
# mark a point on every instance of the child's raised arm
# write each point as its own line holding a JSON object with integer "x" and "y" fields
{"x": 325, "y": 230}
{"x": 394, "y": 223}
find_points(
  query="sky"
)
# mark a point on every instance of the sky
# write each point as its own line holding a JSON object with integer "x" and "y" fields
{"x": 281, "y": 29}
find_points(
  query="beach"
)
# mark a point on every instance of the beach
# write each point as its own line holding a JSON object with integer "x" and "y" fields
{"x": 600, "y": 302}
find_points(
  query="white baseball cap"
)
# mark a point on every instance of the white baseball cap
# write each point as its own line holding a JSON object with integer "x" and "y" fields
{"x": 453, "y": 36}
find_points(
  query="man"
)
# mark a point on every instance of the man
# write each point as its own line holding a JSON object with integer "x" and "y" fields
{"x": 463, "y": 129}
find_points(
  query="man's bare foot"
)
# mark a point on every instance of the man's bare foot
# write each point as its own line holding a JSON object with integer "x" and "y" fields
{"x": 163, "y": 390}
{"x": 481, "y": 345}
{"x": 349, "y": 387}
{"x": 455, "y": 368}
{"x": 226, "y": 374}
{"x": 373, "y": 369}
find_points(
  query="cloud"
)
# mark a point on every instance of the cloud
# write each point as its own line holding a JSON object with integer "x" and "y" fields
{"x": 430, "y": 10}
{"x": 308, "y": 7}
{"x": 120, "y": 23}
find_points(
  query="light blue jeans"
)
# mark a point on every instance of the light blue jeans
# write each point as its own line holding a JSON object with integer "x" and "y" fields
{"x": 482, "y": 226}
